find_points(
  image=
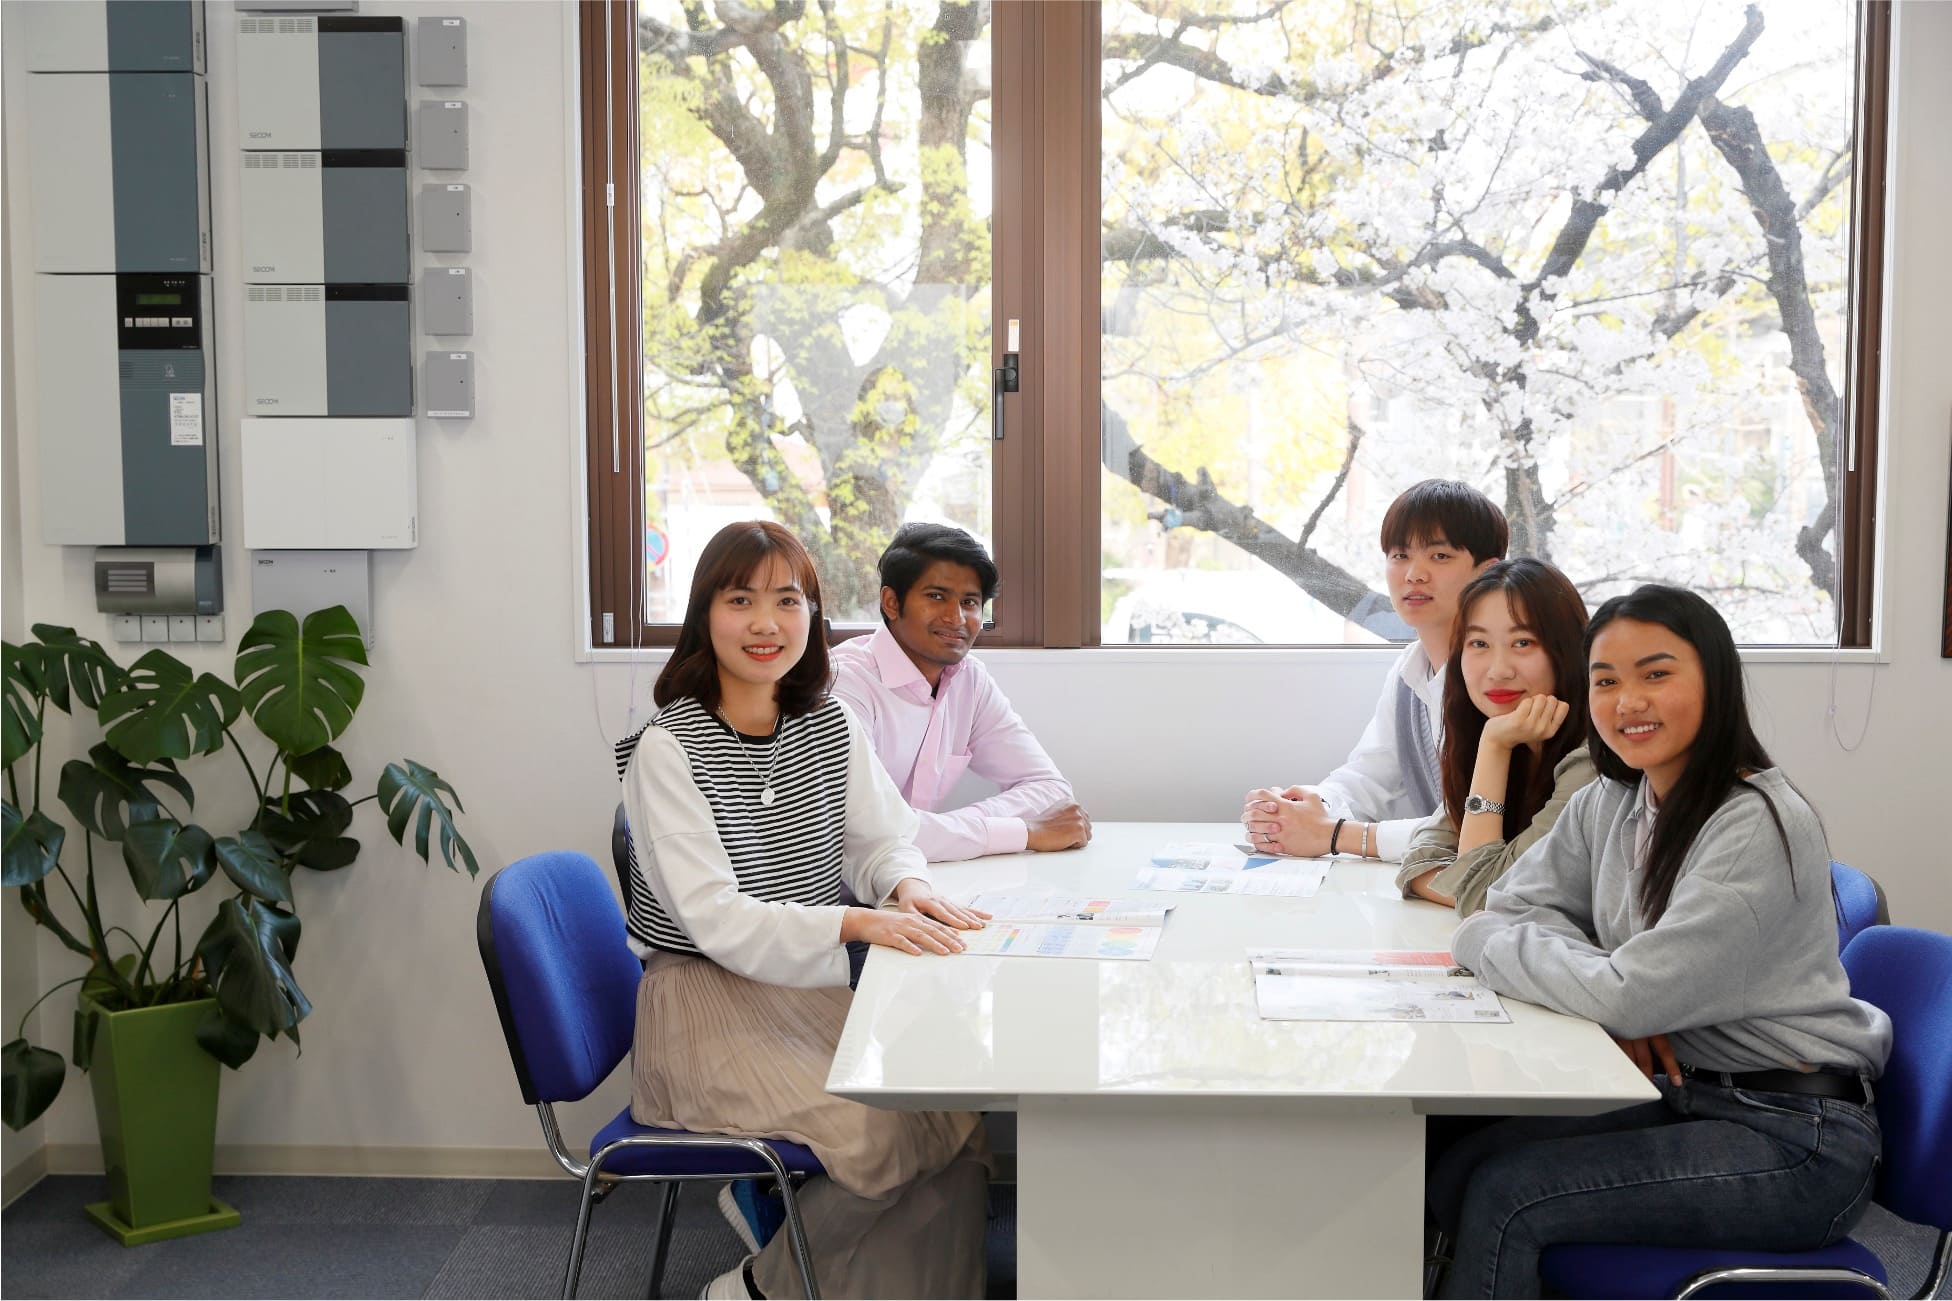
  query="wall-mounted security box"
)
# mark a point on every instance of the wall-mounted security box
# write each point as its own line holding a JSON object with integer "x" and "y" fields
{"x": 100, "y": 36}
{"x": 305, "y": 581}
{"x": 447, "y": 382}
{"x": 328, "y": 350}
{"x": 333, "y": 485}
{"x": 440, "y": 135}
{"x": 440, "y": 52}
{"x": 159, "y": 580}
{"x": 447, "y": 300}
{"x": 446, "y": 223}
{"x": 325, "y": 82}
{"x": 126, "y": 410}
{"x": 337, "y": 216}
{"x": 120, "y": 175}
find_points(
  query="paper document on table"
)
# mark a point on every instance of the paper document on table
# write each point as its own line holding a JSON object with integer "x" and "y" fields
{"x": 1368, "y": 985}
{"x": 1303, "y": 880}
{"x": 1210, "y": 857}
{"x": 1014, "y": 940}
{"x": 1070, "y": 909}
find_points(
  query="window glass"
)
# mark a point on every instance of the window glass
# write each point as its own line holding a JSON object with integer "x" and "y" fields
{"x": 815, "y": 190}
{"x": 1590, "y": 257}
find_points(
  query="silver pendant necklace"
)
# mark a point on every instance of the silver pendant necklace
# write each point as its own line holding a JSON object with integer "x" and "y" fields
{"x": 772, "y": 756}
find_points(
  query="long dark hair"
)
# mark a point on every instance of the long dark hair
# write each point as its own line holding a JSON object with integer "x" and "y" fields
{"x": 1545, "y": 601}
{"x": 1724, "y": 750}
{"x": 735, "y": 553}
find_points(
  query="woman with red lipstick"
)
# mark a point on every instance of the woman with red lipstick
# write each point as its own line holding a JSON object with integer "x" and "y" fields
{"x": 1683, "y": 903}
{"x": 1514, "y": 750}
{"x": 751, "y": 796}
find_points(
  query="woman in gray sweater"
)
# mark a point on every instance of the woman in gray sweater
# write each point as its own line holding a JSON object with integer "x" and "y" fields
{"x": 1514, "y": 748}
{"x": 1682, "y": 902}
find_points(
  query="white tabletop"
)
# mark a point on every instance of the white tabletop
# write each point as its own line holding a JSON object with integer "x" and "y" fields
{"x": 984, "y": 1032}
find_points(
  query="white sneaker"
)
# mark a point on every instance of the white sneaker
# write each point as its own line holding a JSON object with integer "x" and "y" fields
{"x": 728, "y": 1206}
{"x": 729, "y": 1286}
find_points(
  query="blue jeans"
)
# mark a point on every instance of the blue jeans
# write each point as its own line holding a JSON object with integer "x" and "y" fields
{"x": 1706, "y": 1166}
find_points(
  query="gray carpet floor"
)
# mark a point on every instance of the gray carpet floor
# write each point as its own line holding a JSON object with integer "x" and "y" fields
{"x": 345, "y": 1237}
{"x": 468, "y": 1238}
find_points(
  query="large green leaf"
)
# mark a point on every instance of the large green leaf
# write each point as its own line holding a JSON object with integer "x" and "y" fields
{"x": 251, "y": 862}
{"x": 230, "y": 1043}
{"x": 69, "y": 660}
{"x": 405, "y": 792}
{"x": 33, "y": 846}
{"x": 311, "y": 826}
{"x": 24, "y": 684}
{"x": 164, "y": 711}
{"x": 295, "y": 682}
{"x": 167, "y": 858}
{"x": 107, "y": 793}
{"x": 30, "y": 1079}
{"x": 248, "y": 950}
{"x": 324, "y": 769}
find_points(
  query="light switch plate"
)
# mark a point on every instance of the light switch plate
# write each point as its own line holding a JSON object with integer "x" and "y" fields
{"x": 182, "y": 627}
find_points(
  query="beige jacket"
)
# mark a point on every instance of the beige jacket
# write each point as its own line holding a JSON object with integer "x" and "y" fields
{"x": 1467, "y": 878}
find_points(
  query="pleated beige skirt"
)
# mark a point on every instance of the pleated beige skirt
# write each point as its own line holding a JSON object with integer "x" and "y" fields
{"x": 719, "y": 1054}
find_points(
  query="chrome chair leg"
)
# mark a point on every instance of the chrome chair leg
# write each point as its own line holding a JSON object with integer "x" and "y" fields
{"x": 573, "y": 1274}
{"x": 662, "y": 1251}
{"x": 796, "y": 1234}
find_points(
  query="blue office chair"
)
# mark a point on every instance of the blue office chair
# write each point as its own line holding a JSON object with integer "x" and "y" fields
{"x": 1860, "y": 903}
{"x": 565, "y": 986}
{"x": 1908, "y": 973}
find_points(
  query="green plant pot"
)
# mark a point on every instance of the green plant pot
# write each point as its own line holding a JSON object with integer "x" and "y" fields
{"x": 156, "y": 1102}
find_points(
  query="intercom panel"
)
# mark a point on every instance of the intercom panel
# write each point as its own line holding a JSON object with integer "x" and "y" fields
{"x": 328, "y": 350}
{"x": 326, "y": 217}
{"x": 120, "y": 176}
{"x": 322, "y": 82}
{"x": 329, "y": 484}
{"x": 99, "y": 36}
{"x": 126, "y": 410}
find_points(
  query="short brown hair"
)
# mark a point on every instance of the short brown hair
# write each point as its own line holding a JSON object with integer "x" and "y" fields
{"x": 730, "y": 559}
{"x": 1453, "y": 511}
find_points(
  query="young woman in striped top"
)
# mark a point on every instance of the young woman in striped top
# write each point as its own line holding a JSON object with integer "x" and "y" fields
{"x": 751, "y": 796}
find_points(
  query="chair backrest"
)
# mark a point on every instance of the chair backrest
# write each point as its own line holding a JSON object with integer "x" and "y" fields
{"x": 620, "y": 855}
{"x": 1860, "y": 903}
{"x": 564, "y": 977}
{"x": 1908, "y": 973}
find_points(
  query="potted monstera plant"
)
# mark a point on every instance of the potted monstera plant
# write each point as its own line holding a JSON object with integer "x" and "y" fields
{"x": 161, "y": 1004}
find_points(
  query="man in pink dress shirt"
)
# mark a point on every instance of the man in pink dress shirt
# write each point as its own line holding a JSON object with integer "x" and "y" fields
{"x": 932, "y": 713}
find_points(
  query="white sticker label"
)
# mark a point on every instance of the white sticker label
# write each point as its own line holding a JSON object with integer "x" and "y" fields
{"x": 186, "y": 420}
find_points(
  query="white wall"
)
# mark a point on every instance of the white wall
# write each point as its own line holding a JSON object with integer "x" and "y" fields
{"x": 475, "y": 671}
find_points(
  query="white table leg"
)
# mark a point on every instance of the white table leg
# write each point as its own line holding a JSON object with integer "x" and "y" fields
{"x": 1135, "y": 1198}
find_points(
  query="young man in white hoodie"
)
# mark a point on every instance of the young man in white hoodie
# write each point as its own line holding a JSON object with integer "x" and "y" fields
{"x": 1436, "y": 537}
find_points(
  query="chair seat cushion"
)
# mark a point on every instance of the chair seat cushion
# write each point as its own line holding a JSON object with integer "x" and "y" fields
{"x": 688, "y": 1160}
{"x": 1596, "y": 1269}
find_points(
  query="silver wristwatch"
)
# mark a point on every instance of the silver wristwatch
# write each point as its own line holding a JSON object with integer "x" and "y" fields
{"x": 1479, "y": 804}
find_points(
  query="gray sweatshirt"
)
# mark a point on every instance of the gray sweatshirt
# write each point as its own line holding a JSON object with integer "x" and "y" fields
{"x": 1741, "y": 972}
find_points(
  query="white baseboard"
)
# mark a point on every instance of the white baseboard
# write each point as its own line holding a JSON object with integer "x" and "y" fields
{"x": 303, "y": 1159}
{"x": 27, "y": 1172}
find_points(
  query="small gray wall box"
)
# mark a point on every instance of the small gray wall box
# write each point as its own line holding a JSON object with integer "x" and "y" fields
{"x": 119, "y": 182}
{"x": 96, "y": 36}
{"x": 441, "y": 51}
{"x": 447, "y": 300}
{"x": 125, "y": 409}
{"x": 304, "y": 581}
{"x": 337, "y": 216}
{"x": 159, "y": 580}
{"x": 328, "y": 350}
{"x": 448, "y": 378}
{"x": 323, "y": 82}
{"x": 446, "y": 224}
{"x": 440, "y": 135}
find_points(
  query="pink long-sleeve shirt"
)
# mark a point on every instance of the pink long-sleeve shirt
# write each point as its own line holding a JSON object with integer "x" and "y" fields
{"x": 926, "y": 742}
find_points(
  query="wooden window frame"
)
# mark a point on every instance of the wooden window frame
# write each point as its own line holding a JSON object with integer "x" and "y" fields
{"x": 1047, "y": 274}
